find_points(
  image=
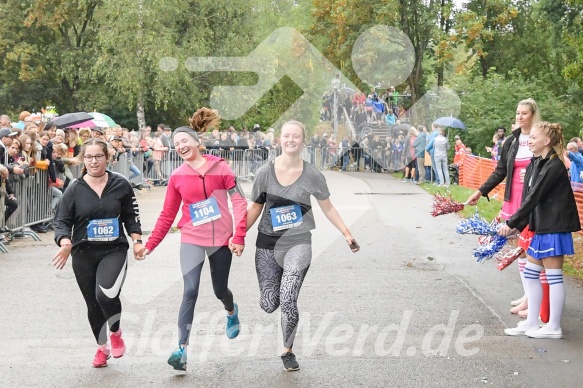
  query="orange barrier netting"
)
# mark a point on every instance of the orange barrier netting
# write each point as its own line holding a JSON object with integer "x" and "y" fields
{"x": 475, "y": 170}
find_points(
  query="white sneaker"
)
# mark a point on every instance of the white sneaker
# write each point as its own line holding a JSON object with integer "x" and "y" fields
{"x": 545, "y": 332}
{"x": 522, "y": 323}
{"x": 517, "y": 301}
{"x": 519, "y": 330}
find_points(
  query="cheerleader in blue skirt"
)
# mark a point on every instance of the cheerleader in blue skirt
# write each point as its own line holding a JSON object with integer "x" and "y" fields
{"x": 548, "y": 208}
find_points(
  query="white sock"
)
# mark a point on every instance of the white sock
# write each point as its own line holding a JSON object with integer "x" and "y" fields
{"x": 521, "y": 263}
{"x": 534, "y": 292}
{"x": 557, "y": 297}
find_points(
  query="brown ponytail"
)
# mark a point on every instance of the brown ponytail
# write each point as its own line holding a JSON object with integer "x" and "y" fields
{"x": 204, "y": 120}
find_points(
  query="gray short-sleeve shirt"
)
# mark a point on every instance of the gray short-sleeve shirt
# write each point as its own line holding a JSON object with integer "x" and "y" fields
{"x": 268, "y": 191}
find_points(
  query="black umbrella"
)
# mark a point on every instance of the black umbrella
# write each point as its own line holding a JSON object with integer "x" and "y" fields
{"x": 69, "y": 119}
{"x": 400, "y": 129}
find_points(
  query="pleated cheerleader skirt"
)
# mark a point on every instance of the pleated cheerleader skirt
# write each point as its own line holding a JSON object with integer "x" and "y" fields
{"x": 551, "y": 244}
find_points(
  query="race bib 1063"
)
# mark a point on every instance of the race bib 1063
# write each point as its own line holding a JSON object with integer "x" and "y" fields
{"x": 286, "y": 217}
{"x": 105, "y": 229}
{"x": 205, "y": 211}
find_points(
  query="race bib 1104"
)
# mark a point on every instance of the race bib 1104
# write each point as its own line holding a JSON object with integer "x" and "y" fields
{"x": 205, "y": 211}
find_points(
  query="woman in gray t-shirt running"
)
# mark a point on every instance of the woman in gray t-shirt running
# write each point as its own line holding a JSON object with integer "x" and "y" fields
{"x": 282, "y": 190}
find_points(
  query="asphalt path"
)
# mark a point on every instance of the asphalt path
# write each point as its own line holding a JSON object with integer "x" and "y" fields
{"x": 411, "y": 309}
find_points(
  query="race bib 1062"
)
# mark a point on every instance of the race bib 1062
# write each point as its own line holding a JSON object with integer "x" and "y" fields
{"x": 105, "y": 229}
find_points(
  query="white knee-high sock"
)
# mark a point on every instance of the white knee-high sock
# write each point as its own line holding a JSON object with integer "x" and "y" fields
{"x": 557, "y": 297}
{"x": 534, "y": 292}
{"x": 521, "y": 263}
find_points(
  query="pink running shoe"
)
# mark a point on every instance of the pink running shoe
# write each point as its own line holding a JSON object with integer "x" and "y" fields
{"x": 118, "y": 347}
{"x": 100, "y": 360}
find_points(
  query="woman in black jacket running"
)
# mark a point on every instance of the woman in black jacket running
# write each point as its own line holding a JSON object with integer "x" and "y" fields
{"x": 88, "y": 226}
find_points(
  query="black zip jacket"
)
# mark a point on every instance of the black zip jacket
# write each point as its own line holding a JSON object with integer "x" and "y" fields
{"x": 505, "y": 166}
{"x": 548, "y": 203}
{"x": 80, "y": 204}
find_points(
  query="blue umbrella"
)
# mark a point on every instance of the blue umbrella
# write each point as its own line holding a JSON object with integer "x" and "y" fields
{"x": 449, "y": 122}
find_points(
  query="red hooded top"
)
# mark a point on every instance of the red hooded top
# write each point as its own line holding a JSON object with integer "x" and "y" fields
{"x": 187, "y": 186}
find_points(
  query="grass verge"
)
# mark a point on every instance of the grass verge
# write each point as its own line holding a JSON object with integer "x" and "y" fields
{"x": 573, "y": 264}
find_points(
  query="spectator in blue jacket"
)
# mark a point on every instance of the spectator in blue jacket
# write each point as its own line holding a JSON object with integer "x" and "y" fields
{"x": 431, "y": 151}
{"x": 419, "y": 145}
{"x": 576, "y": 166}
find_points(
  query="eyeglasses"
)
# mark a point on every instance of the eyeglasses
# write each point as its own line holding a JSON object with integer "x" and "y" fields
{"x": 89, "y": 158}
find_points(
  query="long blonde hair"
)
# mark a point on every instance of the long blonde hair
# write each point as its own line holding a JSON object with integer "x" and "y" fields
{"x": 533, "y": 107}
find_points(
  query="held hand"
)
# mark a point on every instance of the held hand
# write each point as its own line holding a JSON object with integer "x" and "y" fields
{"x": 18, "y": 170}
{"x": 473, "y": 199}
{"x": 237, "y": 249}
{"x": 139, "y": 251}
{"x": 60, "y": 259}
{"x": 352, "y": 244}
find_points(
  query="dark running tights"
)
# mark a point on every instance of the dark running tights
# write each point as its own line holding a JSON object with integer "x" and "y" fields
{"x": 191, "y": 262}
{"x": 100, "y": 273}
{"x": 281, "y": 274}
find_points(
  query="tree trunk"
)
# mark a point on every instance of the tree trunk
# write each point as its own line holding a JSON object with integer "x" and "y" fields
{"x": 141, "y": 115}
{"x": 484, "y": 65}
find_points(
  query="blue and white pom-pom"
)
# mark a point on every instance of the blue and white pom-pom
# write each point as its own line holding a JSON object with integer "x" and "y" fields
{"x": 488, "y": 251}
{"x": 476, "y": 224}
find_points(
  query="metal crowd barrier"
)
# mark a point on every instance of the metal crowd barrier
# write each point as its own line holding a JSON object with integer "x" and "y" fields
{"x": 354, "y": 158}
{"x": 34, "y": 197}
{"x": 2, "y": 211}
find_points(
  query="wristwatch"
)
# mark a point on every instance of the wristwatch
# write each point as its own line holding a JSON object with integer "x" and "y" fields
{"x": 138, "y": 242}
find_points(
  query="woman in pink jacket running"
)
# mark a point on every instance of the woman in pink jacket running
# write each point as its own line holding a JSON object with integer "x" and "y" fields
{"x": 200, "y": 187}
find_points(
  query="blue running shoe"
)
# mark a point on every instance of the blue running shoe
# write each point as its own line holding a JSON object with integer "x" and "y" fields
{"x": 177, "y": 359}
{"x": 233, "y": 324}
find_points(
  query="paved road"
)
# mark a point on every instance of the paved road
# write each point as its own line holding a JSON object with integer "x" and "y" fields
{"x": 411, "y": 309}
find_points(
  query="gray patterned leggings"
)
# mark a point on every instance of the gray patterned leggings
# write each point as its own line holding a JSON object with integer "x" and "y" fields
{"x": 281, "y": 274}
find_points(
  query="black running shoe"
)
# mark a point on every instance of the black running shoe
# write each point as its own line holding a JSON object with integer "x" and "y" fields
{"x": 289, "y": 362}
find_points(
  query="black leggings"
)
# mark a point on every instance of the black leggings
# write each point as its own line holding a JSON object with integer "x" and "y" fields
{"x": 11, "y": 206}
{"x": 100, "y": 273}
{"x": 191, "y": 262}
